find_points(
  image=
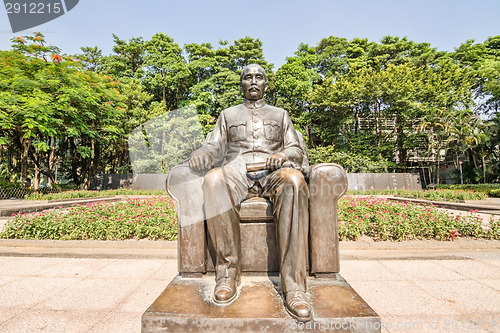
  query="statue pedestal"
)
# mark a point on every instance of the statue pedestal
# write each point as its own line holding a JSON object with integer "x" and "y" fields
{"x": 186, "y": 306}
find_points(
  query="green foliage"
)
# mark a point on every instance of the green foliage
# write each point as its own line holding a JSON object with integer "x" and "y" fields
{"x": 73, "y": 194}
{"x": 432, "y": 195}
{"x": 492, "y": 190}
{"x": 54, "y": 112}
{"x": 215, "y": 75}
{"x": 351, "y": 163}
{"x": 400, "y": 103}
{"x": 165, "y": 72}
{"x": 382, "y": 219}
{"x": 155, "y": 218}
{"x": 152, "y": 218}
{"x": 494, "y": 229}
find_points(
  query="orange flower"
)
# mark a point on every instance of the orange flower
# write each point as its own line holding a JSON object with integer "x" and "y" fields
{"x": 56, "y": 58}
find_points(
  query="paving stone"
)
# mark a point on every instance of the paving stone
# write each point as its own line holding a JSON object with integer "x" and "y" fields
{"x": 7, "y": 312}
{"x": 76, "y": 267}
{"x": 467, "y": 297}
{"x": 92, "y": 295}
{"x": 35, "y": 321}
{"x": 29, "y": 291}
{"x": 415, "y": 270}
{"x": 474, "y": 269}
{"x": 401, "y": 298}
{"x": 166, "y": 272}
{"x": 366, "y": 270}
{"x": 142, "y": 297}
{"x": 127, "y": 322}
{"x": 495, "y": 284}
{"x": 27, "y": 266}
{"x": 121, "y": 268}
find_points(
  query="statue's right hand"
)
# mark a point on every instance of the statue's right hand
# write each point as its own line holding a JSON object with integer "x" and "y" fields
{"x": 200, "y": 161}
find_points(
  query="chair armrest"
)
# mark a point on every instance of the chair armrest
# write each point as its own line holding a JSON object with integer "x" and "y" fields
{"x": 327, "y": 183}
{"x": 328, "y": 179}
{"x": 184, "y": 186}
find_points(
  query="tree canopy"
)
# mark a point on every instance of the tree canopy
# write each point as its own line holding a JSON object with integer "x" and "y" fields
{"x": 394, "y": 104}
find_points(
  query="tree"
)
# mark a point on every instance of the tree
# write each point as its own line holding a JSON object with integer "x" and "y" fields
{"x": 165, "y": 71}
{"x": 91, "y": 58}
{"x": 215, "y": 81}
{"x": 127, "y": 60}
{"x": 52, "y": 110}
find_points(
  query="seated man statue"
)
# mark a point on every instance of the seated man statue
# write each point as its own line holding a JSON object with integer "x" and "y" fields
{"x": 248, "y": 133}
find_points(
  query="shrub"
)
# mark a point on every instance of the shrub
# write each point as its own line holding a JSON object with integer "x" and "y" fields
{"x": 382, "y": 219}
{"x": 91, "y": 194}
{"x": 433, "y": 195}
{"x": 152, "y": 218}
{"x": 351, "y": 163}
{"x": 492, "y": 190}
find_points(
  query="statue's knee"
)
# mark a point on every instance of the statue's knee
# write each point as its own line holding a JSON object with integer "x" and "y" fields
{"x": 294, "y": 177}
{"x": 213, "y": 179}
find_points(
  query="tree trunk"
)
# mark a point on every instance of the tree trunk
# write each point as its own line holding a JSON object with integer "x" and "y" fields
{"x": 74, "y": 162}
{"x": 52, "y": 161}
{"x": 484, "y": 169}
{"x": 36, "y": 178}
{"x": 25, "y": 146}
{"x": 164, "y": 88}
{"x": 437, "y": 171}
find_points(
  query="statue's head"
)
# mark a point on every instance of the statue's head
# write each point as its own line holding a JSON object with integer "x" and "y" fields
{"x": 253, "y": 82}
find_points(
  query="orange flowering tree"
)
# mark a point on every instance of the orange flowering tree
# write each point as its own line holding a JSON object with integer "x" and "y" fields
{"x": 54, "y": 112}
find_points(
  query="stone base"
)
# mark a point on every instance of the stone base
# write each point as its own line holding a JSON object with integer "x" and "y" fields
{"x": 186, "y": 306}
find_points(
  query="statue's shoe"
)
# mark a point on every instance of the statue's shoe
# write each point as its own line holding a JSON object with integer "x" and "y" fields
{"x": 297, "y": 306}
{"x": 225, "y": 290}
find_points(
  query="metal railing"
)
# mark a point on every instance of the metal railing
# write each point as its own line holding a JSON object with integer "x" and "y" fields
{"x": 20, "y": 193}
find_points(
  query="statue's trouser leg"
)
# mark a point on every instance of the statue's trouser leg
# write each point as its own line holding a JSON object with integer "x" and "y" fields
{"x": 289, "y": 194}
{"x": 223, "y": 220}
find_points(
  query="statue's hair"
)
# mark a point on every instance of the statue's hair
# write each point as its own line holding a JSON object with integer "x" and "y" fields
{"x": 247, "y": 67}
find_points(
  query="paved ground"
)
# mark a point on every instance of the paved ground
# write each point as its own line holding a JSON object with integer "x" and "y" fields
{"x": 85, "y": 286}
{"x": 413, "y": 287}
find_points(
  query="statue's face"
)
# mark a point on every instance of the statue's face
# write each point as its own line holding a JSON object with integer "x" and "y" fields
{"x": 253, "y": 83}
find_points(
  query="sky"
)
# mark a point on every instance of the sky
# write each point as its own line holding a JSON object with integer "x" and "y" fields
{"x": 280, "y": 24}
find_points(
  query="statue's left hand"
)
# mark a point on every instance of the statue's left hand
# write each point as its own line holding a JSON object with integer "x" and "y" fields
{"x": 275, "y": 161}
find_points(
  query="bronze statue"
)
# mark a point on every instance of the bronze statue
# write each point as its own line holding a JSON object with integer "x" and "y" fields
{"x": 249, "y": 133}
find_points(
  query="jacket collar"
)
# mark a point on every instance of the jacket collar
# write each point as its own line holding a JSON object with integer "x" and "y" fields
{"x": 254, "y": 104}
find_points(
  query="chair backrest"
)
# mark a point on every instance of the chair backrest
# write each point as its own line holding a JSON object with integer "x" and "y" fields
{"x": 305, "y": 159}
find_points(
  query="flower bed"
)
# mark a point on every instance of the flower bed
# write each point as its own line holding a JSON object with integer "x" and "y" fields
{"x": 433, "y": 195}
{"x": 90, "y": 194}
{"x": 382, "y": 219}
{"x": 155, "y": 218}
{"x": 152, "y": 218}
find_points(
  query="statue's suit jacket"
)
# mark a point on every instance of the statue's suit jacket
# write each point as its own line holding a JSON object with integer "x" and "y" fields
{"x": 251, "y": 132}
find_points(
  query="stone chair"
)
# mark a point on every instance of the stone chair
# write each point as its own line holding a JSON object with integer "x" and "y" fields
{"x": 327, "y": 183}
